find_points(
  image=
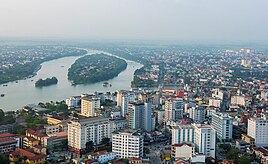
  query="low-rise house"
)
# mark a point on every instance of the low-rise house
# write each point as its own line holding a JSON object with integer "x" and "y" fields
{"x": 29, "y": 142}
{"x": 183, "y": 151}
{"x": 26, "y": 157}
{"x": 55, "y": 140}
{"x": 102, "y": 156}
{"x": 7, "y": 143}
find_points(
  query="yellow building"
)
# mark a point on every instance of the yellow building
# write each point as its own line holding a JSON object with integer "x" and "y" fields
{"x": 53, "y": 121}
{"x": 29, "y": 142}
{"x": 26, "y": 157}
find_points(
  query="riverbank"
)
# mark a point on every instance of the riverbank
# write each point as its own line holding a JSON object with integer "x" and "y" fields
{"x": 24, "y": 92}
{"x": 23, "y": 71}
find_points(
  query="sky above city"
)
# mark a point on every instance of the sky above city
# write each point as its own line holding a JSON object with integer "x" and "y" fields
{"x": 239, "y": 20}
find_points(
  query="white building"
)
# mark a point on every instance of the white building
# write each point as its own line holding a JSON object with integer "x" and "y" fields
{"x": 223, "y": 124}
{"x": 173, "y": 109}
{"x": 183, "y": 151}
{"x": 182, "y": 133}
{"x": 89, "y": 106}
{"x": 197, "y": 114}
{"x": 258, "y": 129}
{"x": 214, "y": 102}
{"x": 238, "y": 100}
{"x": 140, "y": 116}
{"x": 216, "y": 93}
{"x": 90, "y": 129}
{"x": 124, "y": 97}
{"x": 102, "y": 156}
{"x": 205, "y": 140}
{"x": 127, "y": 144}
{"x": 73, "y": 101}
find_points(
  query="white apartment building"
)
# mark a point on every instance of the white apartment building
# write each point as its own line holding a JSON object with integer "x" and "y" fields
{"x": 90, "y": 129}
{"x": 182, "y": 133}
{"x": 223, "y": 124}
{"x": 258, "y": 129}
{"x": 205, "y": 140}
{"x": 127, "y": 144}
{"x": 197, "y": 114}
{"x": 124, "y": 97}
{"x": 238, "y": 100}
{"x": 173, "y": 109}
{"x": 89, "y": 105}
{"x": 73, "y": 101}
{"x": 214, "y": 102}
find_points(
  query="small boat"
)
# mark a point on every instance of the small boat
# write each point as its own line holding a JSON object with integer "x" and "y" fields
{"x": 5, "y": 85}
{"x": 62, "y": 66}
{"x": 106, "y": 84}
{"x": 16, "y": 81}
{"x": 2, "y": 95}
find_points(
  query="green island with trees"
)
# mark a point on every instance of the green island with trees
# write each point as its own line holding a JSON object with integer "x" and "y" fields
{"x": 21, "y": 71}
{"x": 46, "y": 82}
{"x": 95, "y": 68}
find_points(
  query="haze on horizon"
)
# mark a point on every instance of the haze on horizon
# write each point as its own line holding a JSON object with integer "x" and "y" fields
{"x": 239, "y": 20}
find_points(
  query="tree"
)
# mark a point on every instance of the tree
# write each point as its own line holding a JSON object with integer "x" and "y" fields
{"x": 243, "y": 160}
{"x": 232, "y": 154}
{"x": 2, "y": 114}
{"x": 3, "y": 158}
{"x": 105, "y": 141}
{"x": 89, "y": 146}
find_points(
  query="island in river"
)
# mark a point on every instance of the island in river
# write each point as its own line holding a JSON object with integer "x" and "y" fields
{"x": 95, "y": 68}
{"x": 46, "y": 82}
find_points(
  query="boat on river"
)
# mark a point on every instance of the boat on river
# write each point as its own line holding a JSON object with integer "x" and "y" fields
{"x": 106, "y": 84}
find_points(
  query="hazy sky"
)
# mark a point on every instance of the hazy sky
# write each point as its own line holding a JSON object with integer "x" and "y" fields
{"x": 136, "y": 19}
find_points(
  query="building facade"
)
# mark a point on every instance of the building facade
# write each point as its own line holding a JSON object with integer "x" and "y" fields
{"x": 84, "y": 130}
{"x": 127, "y": 144}
{"x": 89, "y": 105}
{"x": 205, "y": 140}
{"x": 223, "y": 124}
{"x": 182, "y": 134}
{"x": 258, "y": 129}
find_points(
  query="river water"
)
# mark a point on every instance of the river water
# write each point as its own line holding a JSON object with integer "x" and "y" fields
{"x": 24, "y": 92}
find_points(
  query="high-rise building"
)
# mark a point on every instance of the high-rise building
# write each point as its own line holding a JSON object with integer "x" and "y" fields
{"x": 140, "y": 116}
{"x": 197, "y": 113}
{"x": 258, "y": 129}
{"x": 83, "y": 131}
{"x": 127, "y": 144}
{"x": 89, "y": 105}
{"x": 173, "y": 109}
{"x": 182, "y": 133}
{"x": 124, "y": 97}
{"x": 205, "y": 139}
{"x": 223, "y": 124}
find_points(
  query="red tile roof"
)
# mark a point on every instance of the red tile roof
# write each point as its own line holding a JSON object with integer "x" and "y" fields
{"x": 29, "y": 155}
{"x": 2, "y": 140}
{"x": 4, "y": 135}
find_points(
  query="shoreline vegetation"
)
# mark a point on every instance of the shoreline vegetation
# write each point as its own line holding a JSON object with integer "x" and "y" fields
{"x": 46, "y": 82}
{"x": 95, "y": 68}
{"x": 28, "y": 70}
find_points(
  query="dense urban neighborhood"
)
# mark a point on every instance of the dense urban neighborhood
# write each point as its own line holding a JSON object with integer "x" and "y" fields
{"x": 187, "y": 104}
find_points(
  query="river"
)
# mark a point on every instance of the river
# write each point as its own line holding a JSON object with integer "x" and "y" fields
{"x": 24, "y": 92}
